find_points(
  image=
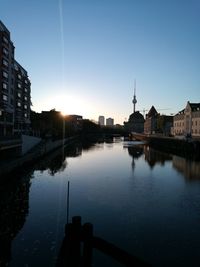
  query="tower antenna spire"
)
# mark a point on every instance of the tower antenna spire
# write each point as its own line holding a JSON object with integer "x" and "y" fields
{"x": 134, "y": 96}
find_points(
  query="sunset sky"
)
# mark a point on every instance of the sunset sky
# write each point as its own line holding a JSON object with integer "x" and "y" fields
{"x": 82, "y": 56}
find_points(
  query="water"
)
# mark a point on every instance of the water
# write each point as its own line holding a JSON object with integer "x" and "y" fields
{"x": 142, "y": 200}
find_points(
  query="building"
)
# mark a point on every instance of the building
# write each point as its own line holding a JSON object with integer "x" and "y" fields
{"x": 136, "y": 119}
{"x": 101, "y": 120}
{"x": 164, "y": 124}
{"x": 156, "y": 123}
{"x": 110, "y": 122}
{"x": 53, "y": 124}
{"x": 14, "y": 89}
{"x": 22, "y": 101}
{"x": 187, "y": 121}
{"x": 135, "y": 123}
{"x": 150, "y": 124}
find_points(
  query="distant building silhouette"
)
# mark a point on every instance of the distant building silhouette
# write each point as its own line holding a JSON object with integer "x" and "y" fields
{"x": 135, "y": 123}
{"x": 156, "y": 123}
{"x": 150, "y": 124}
{"x": 51, "y": 123}
{"x": 109, "y": 122}
{"x": 187, "y": 121}
{"x": 136, "y": 119}
{"x": 101, "y": 120}
{"x": 14, "y": 91}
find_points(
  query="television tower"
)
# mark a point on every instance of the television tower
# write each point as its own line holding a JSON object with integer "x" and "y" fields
{"x": 134, "y": 97}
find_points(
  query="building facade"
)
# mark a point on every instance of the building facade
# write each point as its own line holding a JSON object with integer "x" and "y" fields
{"x": 101, "y": 120}
{"x": 150, "y": 123}
{"x": 14, "y": 89}
{"x": 135, "y": 123}
{"x": 110, "y": 122}
{"x": 187, "y": 121}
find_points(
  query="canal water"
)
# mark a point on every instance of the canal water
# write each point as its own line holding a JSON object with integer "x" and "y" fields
{"x": 142, "y": 200}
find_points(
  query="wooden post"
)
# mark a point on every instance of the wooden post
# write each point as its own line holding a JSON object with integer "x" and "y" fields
{"x": 87, "y": 244}
{"x": 75, "y": 240}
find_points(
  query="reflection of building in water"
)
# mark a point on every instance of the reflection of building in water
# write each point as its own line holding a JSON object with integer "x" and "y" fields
{"x": 14, "y": 205}
{"x": 135, "y": 152}
{"x": 190, "y": 169}
{"x": 154, "y": 157}
{"x": 56, "y": 161}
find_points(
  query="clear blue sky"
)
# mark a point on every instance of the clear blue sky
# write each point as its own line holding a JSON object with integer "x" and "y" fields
{"x": 82, "y": 56}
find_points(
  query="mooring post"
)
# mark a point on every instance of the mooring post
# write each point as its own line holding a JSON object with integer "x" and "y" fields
{"x": 87, "y": 244}
{"x": 76, "y": 240}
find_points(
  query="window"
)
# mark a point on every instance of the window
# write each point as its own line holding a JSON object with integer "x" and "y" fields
{"x": 18, "y": 104}
{"x": 5, "y": 86}
{"x": 5, "y": 74}
{"x": 5, "y": 98}
{"x": 19, "y": 85}
{"x": 16, "y": 67}
{"x": 25, "y": 115}
{"x": 19, "y": 94}
{"x": 5, "y": 51}
{"x": 5, "y": 40}
{"x": 5, "y": 62}
{"x": 25, "y": 90}
{"x": 26, "y": 82}
{"x": 19, "y": 76}
{"x": 25, "y": 98}
{"x": 25, "y": 106}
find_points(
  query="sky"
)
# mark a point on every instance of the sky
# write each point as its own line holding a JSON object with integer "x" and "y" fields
{"x": 82, "y": 56}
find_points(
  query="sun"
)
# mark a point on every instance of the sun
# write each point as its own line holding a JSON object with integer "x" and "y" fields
{"x": 67, "y": 105}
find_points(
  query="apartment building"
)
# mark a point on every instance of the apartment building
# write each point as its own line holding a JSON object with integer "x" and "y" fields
{"x": 187, "y": 121}
{"x": 101, "y": 120}
{"x": 22, "y": 101}
{"x": 14, "y": 89}
{"x": 110, "y": 122}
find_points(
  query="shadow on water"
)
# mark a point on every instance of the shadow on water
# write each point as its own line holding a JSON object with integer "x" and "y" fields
{"x": 14, "y": 206}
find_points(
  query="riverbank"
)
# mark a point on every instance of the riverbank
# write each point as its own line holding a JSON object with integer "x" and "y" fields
{"x": 41, "y": 150}
{"x": 183, "y": 147}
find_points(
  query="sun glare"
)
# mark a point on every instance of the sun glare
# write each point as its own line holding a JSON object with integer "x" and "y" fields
{"x": 67, "y": 105}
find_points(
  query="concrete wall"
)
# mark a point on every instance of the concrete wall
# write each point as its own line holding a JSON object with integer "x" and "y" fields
{"x": 29, "y": 142}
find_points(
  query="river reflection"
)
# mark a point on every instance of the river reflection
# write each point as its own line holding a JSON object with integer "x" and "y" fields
{"x": 57, "y": 160}
{"x": 189, "y": 169}
{"x": 137, "y": 198}
{"x": 14, "y": 207}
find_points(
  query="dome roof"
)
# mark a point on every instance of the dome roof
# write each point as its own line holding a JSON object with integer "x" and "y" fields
{"x": 136, "y": 116}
